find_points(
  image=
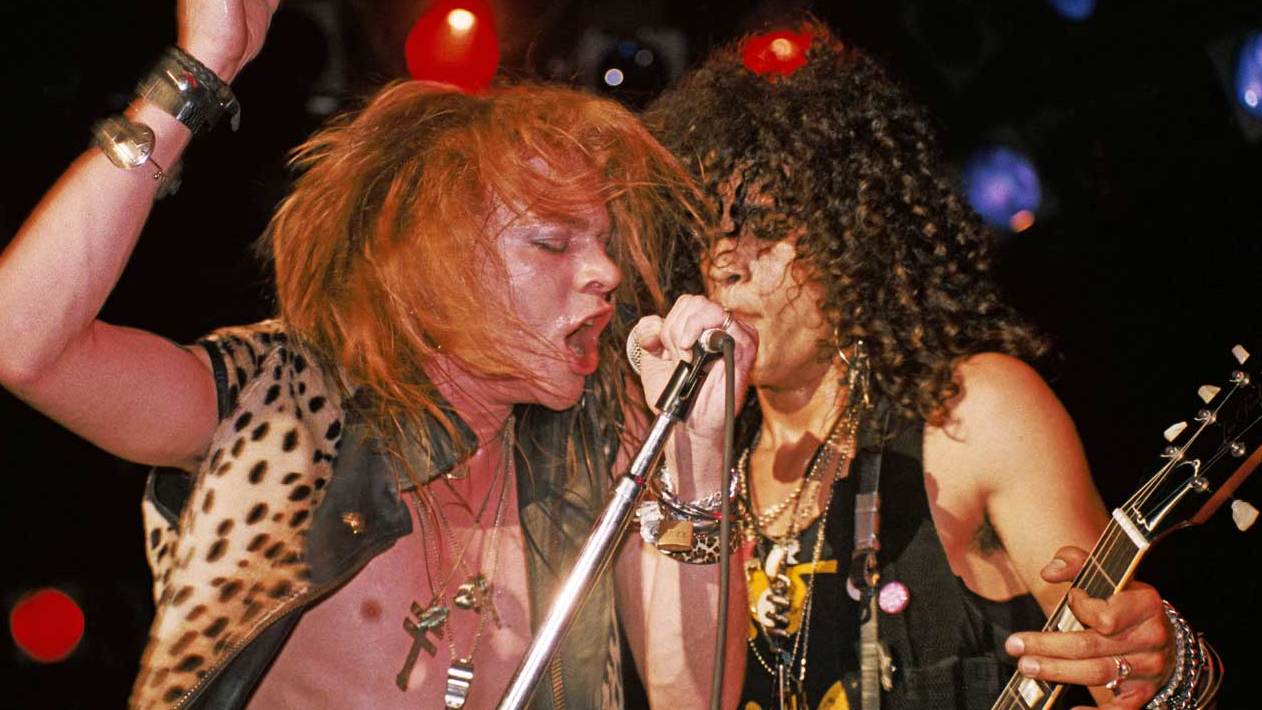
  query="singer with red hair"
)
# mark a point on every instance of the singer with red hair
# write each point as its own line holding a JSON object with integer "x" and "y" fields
{"x": 369, "y": 500}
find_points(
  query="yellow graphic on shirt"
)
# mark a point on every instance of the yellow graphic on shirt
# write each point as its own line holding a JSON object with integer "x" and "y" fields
{"x": 834, "y": 699}
{"x": 759, "y": 586}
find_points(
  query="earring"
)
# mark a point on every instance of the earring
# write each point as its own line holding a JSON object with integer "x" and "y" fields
{"x": 859, "y": 371}
{"x": 837, "y": 341}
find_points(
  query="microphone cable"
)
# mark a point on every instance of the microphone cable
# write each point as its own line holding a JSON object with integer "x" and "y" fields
{"x": 725, "y": 522}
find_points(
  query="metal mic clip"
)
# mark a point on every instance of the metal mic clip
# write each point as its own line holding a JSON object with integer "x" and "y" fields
{"x": 676, "y": 399}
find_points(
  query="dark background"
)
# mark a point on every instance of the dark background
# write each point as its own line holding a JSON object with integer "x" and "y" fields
{"x": 1143, "y": 265}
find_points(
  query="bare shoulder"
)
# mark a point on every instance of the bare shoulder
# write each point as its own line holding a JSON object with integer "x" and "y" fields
{"x": 1005, "y": 413}
{"x": 1010, "y": 452}
{"x": 1000, "y": 390}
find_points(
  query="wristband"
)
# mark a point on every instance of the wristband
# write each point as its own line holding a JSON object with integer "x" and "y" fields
{"x": 189, "y": 91}
{"x": 129, "y": 145}
{"x": 1180, "y": 691}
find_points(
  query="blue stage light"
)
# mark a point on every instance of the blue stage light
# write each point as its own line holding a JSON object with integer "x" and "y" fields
{"x": 1249, "y": 75}
{"x": 1077, "y": 10}
{"x": 1003, "y": 187}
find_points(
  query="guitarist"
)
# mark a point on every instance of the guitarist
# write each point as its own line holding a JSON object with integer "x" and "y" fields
{"x": 838, "y": 237}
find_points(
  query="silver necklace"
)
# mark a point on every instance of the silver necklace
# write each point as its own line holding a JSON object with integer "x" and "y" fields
{"x": 475, "y": 593}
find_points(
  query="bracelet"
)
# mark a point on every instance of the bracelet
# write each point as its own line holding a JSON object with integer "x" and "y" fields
{"x": 681, "y": 540}
{"x": 130, "y": 145}
{"x": 1179, "y": 692}
{"x": 686, "y": 531}
{"x": 703, "y": 510}
{"x": 189, "y": 91}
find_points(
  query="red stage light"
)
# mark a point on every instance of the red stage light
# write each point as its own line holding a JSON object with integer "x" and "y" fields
{"x": 781, "y": 52}
{"x": 454, "y": 42}
{"x": 46, "y": 624}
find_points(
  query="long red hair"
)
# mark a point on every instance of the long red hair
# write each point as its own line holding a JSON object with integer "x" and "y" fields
{"x": 372, "y": 249}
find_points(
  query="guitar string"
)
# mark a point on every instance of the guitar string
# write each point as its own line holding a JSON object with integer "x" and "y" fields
{"x": 1142, "y": 497}
{"x": 1107, "y": 553}
{"x": 1132, "y": 506}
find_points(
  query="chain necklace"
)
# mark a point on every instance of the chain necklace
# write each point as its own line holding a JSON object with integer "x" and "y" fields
{"x": 457, "y": 557}
{"x": 841, "y": 441}
{"x": 833, "y": 444}
{"x": 475, "y": 593}
{"x": 838, "y": 446}
{"x": 801, "y": 641}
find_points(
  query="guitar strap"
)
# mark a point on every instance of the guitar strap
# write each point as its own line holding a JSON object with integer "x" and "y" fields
{"x": 864, "y": 571}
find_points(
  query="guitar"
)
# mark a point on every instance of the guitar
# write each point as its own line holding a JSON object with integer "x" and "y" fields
{"x": 1203, "y": 465}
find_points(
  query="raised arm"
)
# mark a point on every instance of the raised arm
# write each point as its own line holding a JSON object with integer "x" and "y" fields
{"x": 132, "y": 393}
{"x": 670, "y": 608}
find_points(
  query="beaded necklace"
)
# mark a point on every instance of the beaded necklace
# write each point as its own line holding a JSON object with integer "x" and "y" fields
{"x": 771, "y": 610}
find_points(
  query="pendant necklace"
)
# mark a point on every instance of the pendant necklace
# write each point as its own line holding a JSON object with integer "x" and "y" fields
{"x": 773, "y": 607}
{"x": 474, "y": 593}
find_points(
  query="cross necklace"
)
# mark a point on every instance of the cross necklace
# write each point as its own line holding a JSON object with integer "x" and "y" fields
{"x": 474, "y": 593}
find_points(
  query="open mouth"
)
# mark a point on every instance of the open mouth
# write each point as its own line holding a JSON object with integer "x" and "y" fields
{"x": 582, "y": 342}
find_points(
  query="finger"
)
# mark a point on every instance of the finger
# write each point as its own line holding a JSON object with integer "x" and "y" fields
{"x": 1123, "y": 613}
{"x": 668, "y": 334}
{"x": 687, "y": 319}
{"x": 707, "y": 412}
{"x": 647, "y": 334}
{"x": 746, "y": 337}
{"x": 1092, "y": 671}
{"x": 1149, "y": 635}
{"x": 1065, "y": 564}
{"x": 1130, "y": 695}
{"x": 705, "y": 315}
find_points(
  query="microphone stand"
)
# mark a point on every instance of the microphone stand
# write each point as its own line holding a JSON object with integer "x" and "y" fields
{"x": 594, "y": 557}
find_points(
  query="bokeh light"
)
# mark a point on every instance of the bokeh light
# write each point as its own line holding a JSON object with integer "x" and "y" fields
{"x": 454, "y": 43}
{"x": 1076, "y": 10}
{"x": 46, "y": 625}
{"x": 461, "y": 20}
{"x": 1249, "y": 75}
{"x": 1003, "y": 187}
{"x": 631, "y": 72}
{"x": 780, "y": 52}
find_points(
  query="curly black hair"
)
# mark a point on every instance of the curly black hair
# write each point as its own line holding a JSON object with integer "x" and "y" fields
{"x": 852, "y": 164}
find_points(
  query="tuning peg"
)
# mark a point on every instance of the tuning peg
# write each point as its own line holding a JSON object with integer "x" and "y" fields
{"x": 1207, "y": 392}
{"x": 1243, "y": 514}
{"x": 1240, "y": 354}
{"x": 1172, "y": 432}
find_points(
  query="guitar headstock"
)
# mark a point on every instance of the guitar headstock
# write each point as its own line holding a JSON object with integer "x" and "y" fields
{"x": 1207, "y": 457}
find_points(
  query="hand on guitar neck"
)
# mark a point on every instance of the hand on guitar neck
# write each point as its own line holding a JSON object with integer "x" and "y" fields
{"x": 1130, "y": 624}
{"x": 1112, "y": 632}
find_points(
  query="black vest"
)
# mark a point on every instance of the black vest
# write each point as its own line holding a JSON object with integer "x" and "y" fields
{"x": 946, "y": 645}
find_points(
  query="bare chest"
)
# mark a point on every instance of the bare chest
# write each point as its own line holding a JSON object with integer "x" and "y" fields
{"x": 389, "y": 636}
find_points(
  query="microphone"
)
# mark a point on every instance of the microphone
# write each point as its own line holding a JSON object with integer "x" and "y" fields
{"x": 710, "y": 342}
{"x": 676, "y": 398}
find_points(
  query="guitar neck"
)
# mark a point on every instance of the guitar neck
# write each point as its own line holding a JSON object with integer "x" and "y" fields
{"x": 1110, "y": 567}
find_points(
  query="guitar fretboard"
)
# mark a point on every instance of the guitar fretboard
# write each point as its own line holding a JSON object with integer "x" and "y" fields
{"x": 1107, "y": 569}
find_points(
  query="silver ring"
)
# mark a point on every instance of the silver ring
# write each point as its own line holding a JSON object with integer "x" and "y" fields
{"x": 1123, "y": 672}
{"x": 727, "y": 320}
